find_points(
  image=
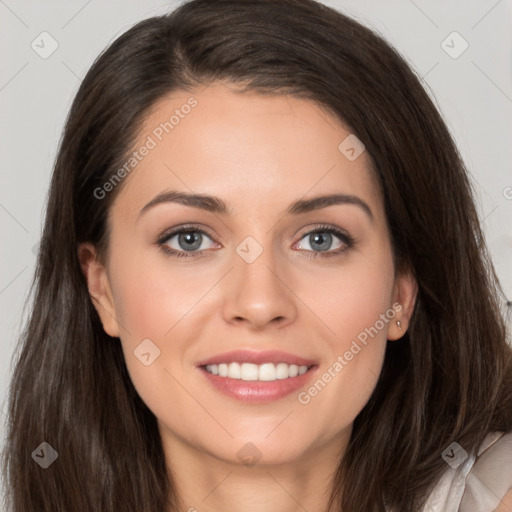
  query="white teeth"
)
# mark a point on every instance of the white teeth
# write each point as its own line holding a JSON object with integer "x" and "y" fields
{"x": 234, "y": 371}
{"x": 294, "y": 370}
{"x": 267, "y": 372}
{"x": 213, "y": 368}
{"x": 249, "y": 371}
{"x": 252, "y": 372}
{"x": 283, "y": 370}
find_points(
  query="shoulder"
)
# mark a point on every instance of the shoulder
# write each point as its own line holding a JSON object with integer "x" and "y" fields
{"x": 490, "y": 478}
{"x": 476, "y": 482}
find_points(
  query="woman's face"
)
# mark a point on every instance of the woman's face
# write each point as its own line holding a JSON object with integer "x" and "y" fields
{"x": 266, "y": 279}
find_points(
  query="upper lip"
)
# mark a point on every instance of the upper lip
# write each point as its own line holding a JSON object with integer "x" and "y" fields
{"x": 257, "y": 357}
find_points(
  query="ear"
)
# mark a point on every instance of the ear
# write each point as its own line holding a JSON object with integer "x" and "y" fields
{"x": 99, "y": 288}
{"x": 404, "y": 299}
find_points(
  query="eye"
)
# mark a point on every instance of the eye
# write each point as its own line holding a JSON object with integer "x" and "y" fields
{"x": 321, "y": 240}
{"x": 186, "y": 241}
{"x": 191, "y": 241}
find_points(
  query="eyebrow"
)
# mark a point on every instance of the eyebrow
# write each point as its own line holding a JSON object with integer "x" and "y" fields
{"x": 218, "y": 206}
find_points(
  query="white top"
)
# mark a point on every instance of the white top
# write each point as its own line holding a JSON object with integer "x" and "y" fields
{"x": 475, "y": 483}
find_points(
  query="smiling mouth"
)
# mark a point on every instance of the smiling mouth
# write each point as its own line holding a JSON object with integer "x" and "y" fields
{"x": 265, "y": 372}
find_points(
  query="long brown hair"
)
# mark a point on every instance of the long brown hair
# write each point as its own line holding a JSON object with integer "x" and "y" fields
{"x": 450, "y": 377}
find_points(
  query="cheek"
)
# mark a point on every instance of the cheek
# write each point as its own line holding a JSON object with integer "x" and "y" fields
{"x": 350, "y": 298}
{"x": 151, "y": 303}
{"x": 168, "y": 303}
{"x": 153, "y": 295}
{"x": 355, "y": 304}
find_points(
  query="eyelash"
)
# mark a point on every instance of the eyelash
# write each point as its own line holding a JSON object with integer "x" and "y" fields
{"x": 347, "y": 239}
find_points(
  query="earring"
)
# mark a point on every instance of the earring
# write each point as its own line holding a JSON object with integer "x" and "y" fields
{"x": 399, "y": 324}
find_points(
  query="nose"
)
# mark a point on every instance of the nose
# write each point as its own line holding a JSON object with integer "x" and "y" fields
{"x": 258, "y": 294}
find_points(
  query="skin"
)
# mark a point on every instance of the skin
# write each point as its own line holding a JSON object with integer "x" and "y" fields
{"x": 506, "y": 503}
{"x": 258, "y": 154}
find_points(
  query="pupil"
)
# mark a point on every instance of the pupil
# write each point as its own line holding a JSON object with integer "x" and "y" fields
{"x": 191, "y": 240}
{"x": 324, "y": 240}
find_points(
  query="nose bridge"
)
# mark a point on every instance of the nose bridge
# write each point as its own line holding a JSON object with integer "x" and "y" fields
{"x": 256, "y": 263}
{"x": 257, "y": 293}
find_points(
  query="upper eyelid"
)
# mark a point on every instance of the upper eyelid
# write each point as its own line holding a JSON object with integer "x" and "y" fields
{"x": 172, "y": 232}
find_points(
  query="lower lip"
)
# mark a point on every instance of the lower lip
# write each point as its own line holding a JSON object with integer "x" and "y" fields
{"x": 257, "y": 391}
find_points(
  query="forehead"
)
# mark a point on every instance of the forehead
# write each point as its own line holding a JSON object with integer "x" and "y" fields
{"x": 248, "y": 148}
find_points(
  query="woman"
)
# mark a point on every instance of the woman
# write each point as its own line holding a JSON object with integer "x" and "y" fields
{"x": 262, "y": 284}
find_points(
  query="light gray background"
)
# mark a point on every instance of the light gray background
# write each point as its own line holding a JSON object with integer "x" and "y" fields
{"x": 473, "y": 92}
